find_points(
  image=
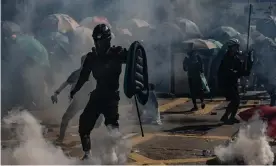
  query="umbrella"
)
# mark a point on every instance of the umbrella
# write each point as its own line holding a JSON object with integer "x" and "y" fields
{"x": 223, "y": 33}
{"x": 124, "y": 31}
{"x": 189, "y": 28}
{"x": 28, "y": 46}
{"x": 58, "y": 47}
{"x": 81, "y": 41}
{"x": 243, "y": 41}
{"x": 91, "y": 22}
{"x": 140, "y": 23}
{"x": 198, "y": 44}
{"x": 161, "y": 35}
{"x": 9, "y": 28}
{"x": 267, "y": 26}
{"x": 123, "y": 36}
{"x": 139, "y": 29}
{"x": 56, "y": 44}
{"x": 59, "y": 22}
{"x": 267, "y": 113}
{"x": 217, "y": 43}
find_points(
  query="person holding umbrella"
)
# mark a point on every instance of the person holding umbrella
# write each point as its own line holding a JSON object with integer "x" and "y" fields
{"x": 194, "y": 66}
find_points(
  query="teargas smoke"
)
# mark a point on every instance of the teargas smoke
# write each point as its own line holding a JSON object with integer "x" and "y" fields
{"x": 33, "y": 149}
{"x": 251, "y": 145}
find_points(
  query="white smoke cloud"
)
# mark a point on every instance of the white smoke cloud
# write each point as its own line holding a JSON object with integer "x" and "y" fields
{"x": 250, "y": 146}
{"x": 34, "y": 149}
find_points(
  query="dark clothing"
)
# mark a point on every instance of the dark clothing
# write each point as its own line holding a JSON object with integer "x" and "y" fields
{"x": 98, "y": 105}
{"x": 106, "y": 70}
{"x": 230, "y": 70}
{"x": 77, "y": 103}
{"x": 196, "y": 90}
{"x": 193, "y": 65}
{"x": 272, "y": 95}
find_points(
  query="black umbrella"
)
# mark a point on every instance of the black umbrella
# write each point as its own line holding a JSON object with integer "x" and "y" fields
{"x": 9, "y": 28}
{"x": 189, "y": 28}
{"x": 267, "y": 26}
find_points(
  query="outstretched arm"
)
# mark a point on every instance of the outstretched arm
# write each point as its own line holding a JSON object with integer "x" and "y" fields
{"x": 84, "y": 75}
{"x": 61, "y": 87}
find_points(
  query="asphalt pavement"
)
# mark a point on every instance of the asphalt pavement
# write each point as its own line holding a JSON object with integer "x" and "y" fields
{"x": 184, "y": 138}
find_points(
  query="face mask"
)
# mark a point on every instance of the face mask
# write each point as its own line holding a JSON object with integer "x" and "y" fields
{"x": 103, "y": 45}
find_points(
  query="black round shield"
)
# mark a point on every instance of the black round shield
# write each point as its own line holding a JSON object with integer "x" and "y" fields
{"x": 136, "y": 73}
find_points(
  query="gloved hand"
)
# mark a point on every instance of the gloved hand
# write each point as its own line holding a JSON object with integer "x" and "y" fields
{"x": 54, "y": 98}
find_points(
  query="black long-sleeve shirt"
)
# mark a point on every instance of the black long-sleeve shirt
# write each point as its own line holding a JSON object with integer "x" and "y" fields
{"x": 106, "y": 69}
{"x": 193, "y": 65}
{"x": 230, "y": 70}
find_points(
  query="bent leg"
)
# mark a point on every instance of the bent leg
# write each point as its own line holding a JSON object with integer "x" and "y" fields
{"x": 86, "y": 123}
{"x": 70, "y": 112}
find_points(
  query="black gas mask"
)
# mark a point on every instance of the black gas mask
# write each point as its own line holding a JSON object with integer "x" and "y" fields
{"x": 102, "y": 37}
{"x": 103, "y": 45}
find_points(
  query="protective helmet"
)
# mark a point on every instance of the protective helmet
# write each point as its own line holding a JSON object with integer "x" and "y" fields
{"x": 233, "y": 42}
{"x": 101, "y": 32}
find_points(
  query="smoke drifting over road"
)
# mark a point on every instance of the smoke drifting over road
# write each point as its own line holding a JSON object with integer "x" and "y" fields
{"x": 251, "y": 146}
{"x": 34, "y": 149}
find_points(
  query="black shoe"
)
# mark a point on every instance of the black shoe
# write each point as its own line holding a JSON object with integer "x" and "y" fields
{"x": 86, "y": 156}
{"x": 194, "y": 109}
{"x": 224, "y": 118}
{"x": 234, "y": 120}
{"x": 202, "y": 105}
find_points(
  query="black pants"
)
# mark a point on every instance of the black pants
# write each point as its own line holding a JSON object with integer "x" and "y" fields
{"x": 98, "y": 104}
{"x": 272, "y": 94}
{"x": 196, "y": 89}
{"x": 231, "y": 93}
{"x": 76, "y": 105}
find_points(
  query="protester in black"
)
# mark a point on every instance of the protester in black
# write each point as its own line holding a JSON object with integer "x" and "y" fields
{"x": 231, "y": 69}
{"x": 105, "y": 63}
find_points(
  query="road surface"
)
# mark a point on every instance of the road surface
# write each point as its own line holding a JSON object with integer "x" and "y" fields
{"x": 180, "y": 140}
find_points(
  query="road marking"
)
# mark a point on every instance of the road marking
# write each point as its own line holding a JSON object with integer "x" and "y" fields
{"x": 136, "y": 140}
{"x": 249, "y": 104}
{"x": 172, "y": 104}
{"x": 140, "y": 158}
{"x": 173, "y": 161}
{"x": 139, "y": 139}
{"x": 193, "y": 136}
{"x": 208, "y": 108}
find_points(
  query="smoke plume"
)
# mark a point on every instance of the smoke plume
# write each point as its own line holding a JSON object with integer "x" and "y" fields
{"x": 34, "y": 149}
{"x": 251, "y": 146}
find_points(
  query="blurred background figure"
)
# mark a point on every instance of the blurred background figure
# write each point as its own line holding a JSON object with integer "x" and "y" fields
{"x": 194, "y": 66}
